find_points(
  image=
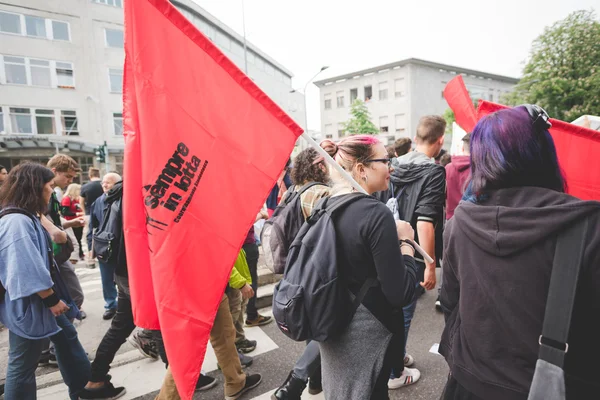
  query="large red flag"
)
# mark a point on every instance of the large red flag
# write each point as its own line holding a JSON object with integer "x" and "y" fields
{"x": 457, "y": 96}
{"x": 204, "y": 146}
{"x": 578, "y": 151}
{"x": 577, "y": 147}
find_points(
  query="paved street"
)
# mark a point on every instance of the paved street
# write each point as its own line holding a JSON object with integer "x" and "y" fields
{"x": 273, "y": 358}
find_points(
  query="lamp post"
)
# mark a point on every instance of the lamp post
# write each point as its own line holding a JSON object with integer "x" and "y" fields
{"x": 323, "y": 68}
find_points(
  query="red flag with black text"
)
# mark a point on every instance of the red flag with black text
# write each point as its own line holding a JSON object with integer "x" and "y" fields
{"x": 204, "y": 146}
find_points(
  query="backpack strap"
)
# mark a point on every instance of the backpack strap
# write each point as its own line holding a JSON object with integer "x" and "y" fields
{"x": 566, "y": 267}
{"x": 350, "y": 198}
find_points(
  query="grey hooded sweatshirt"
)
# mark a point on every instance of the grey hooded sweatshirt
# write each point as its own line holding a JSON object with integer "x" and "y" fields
{"x": 498, "y": 258}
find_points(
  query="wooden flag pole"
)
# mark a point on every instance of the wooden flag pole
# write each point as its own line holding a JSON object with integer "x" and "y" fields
{"x": 354, "y": 184}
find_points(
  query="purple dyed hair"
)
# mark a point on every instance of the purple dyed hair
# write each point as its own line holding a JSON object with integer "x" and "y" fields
{"x": 506, "y": 151}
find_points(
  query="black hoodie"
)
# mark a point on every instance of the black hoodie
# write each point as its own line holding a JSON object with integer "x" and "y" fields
{"x": 498, "y": 258}
{"x": 420, "y": 187}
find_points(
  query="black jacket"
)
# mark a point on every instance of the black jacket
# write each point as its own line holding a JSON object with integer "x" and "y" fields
{"x": 497, "y": 263}
{"x": 116, "y": 195}
{"x": 420, "y": 187}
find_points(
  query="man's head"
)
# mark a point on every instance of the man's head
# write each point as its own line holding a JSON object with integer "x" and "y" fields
{"x": 3, "y": 173}
{"x": 402, "y": 146}
{"x": 65, "y": 169}
{"x": 109, "y": 181}
{"x": 391, "y": 151}
{"x": 466, "y": 143}
{"x": 430, "y": 134}
{"x": 94, "y": 173}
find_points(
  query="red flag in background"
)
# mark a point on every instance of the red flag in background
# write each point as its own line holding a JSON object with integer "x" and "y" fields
{"x": 578, "y": 151}
{"x": 204, "y": 147}
{"x": 457, "y": 96}
{"x": 577, "y": 147}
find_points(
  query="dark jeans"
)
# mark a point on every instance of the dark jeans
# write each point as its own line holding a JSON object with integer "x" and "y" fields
{"x": 380, "y": 391}
{"x": 252, "y": 259}
{"x": 78, "y": 231}
{"x": 120, "y": 328}
{"x": 109, "y": 289}
{"x": 23, "y": 359}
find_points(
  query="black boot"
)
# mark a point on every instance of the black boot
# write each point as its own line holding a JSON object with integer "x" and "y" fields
{"x": 291, "y": 389}
{"x": 314, "y": 384}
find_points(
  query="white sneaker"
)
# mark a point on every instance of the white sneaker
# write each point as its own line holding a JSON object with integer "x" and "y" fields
{"x": 409, "y": 361}
{"x": 408, "y": 377}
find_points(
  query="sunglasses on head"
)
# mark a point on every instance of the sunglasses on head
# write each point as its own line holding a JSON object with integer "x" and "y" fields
{"x": 539, "y": 117}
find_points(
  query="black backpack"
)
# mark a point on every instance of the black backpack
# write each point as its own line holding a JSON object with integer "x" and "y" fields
{"x": 107, "y": 239}
{"x": 279, "y": 231}
{"x": 311, "y": 301}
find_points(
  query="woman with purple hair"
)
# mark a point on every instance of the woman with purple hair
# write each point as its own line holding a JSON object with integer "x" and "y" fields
{"x": 498, "y": 256}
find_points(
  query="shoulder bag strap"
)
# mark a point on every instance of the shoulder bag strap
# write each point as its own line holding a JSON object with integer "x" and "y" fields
{"x": 566, "y": 267}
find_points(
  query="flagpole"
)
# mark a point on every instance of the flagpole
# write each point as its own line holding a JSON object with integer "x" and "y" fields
{"x": 354, "y": 184}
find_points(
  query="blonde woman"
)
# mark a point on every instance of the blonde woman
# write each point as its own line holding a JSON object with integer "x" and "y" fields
{"x": 71, "y": 209}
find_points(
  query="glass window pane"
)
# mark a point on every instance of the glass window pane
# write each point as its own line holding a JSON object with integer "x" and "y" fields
{"x": 64, "y": 65}
{"x": 41, "y": 63}
{"x": 118, "y": 3}
{"x": 18, "y": 60}
{"x": 114, "y": 38}
{"x": 36, "y": 26}
{"x": 116, "y": 80}
{"x": 45, "y": 124}
{"x": 65, "y": 77}
{"x": 10, "y": 23}
{"x": 15, "y": 73}
{"x": 20, "y": 120}
{"x": 69, "y": 122}
{"x": 60, "y": 30}
{"x": 118, "y": 123}
{"x": 45, "y": 112}
{"x": 40, "y": 76}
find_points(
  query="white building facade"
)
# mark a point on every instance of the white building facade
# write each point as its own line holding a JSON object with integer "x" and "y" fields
{"x": 61, "y": 68}
{"x": 399, "y": 94}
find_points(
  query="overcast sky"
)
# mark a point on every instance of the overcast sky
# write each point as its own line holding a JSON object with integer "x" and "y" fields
{"x": 492, "y": 36}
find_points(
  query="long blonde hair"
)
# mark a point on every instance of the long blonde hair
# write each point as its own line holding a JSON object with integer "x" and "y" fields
{"x": 73, "y": 191}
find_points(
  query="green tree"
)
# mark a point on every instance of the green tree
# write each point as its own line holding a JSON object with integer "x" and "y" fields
{"x": 360, "y": 123}
{"x": 563, "y": 71}
{"x": 450, "y": 118}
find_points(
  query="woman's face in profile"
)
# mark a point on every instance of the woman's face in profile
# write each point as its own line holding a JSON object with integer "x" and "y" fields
{"x": 47, "y": 192}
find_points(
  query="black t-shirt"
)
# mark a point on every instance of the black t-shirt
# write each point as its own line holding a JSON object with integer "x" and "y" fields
{"x": 367, "y": 246}
{"x": 90, "y": 192}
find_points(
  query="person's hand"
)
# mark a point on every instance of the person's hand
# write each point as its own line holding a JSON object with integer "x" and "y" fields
{"x": 80, "y": 221}
{"x": 247, "y": 292}
{"x": 405, "y": 231}
{"x": 264, "y": 214}
{"x": 59, "y": 309}
{"x": 429, "y": 278}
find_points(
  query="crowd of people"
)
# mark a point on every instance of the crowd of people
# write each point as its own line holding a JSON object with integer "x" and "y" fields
{"x": 489, "y": 217}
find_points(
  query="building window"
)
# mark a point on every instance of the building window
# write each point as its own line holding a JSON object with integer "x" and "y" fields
{"x": 118, "y": 123}
{"x": 341, "y": 131}
{"x": 329, "y": 129}
{"x": 383, "y": 124}
{"x": 114, "y": 38}
{"x": 114, "y": 3}
{"x": 119, "y": 165}
{"x": 10, "y": 23}
{"x": 40, "y": 73}
{"x": 15, "y": 69}
{"x": 69, "y": 123}
{"x": 399, "y": 88}
{"x": 20, "y": 120}
{"x": 328, "y": 136}
{"x": 45, "y": 122}
{"x": 2, "y": 121}
{"x": 340, "y": 99}
{"x": 60, "y": 31}
{"x": 35, "y": 26}
{"x": 368, "y": 93}
{"x": 400, "y": 122}
{"x": 35, "y": 72}
{"x": 383, "y": 91}
{"x": 353, "y": 95}
{"x": 328, "y": 101}
{"x": 116, "y": 80}
{"x": 64, "y": 75}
